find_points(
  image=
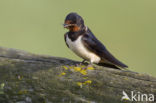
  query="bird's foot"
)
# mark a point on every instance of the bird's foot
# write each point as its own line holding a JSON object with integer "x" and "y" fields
{"x": 78, "y": 65}
{"x": 88, "y": 66}
{"x": 81, "y": 63}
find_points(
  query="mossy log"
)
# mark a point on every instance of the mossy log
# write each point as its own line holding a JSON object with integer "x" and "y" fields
{"x": 31, "y": 78}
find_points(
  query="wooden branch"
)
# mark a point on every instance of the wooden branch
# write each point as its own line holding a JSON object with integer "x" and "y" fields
{"x": 30, "y": 78}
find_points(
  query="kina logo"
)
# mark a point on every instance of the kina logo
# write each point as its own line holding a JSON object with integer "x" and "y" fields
{"x": 137, "y": 96}
{"x": 125, "y": 96}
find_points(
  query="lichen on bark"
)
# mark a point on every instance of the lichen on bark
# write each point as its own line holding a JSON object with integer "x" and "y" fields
{"x": 31, "y": 78}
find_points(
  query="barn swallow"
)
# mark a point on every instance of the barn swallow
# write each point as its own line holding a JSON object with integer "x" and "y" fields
{"x": 82, "y": 42}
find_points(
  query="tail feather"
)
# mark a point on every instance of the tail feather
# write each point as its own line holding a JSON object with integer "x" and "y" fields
{"x": 114, "y": 61}
{"x": 120, "y": 64}
{"x": 108, "y": 57}
{"x": 109, "y": 65}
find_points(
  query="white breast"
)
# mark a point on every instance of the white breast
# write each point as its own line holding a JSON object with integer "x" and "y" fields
{"x": 78, "y": 48}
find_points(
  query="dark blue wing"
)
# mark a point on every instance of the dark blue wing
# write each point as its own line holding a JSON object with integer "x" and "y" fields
{"x": 94, "y": 45}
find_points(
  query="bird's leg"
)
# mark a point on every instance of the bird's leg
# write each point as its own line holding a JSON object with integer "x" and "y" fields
{"x": 81, "y": 63}
{"x": 89, "y": 65}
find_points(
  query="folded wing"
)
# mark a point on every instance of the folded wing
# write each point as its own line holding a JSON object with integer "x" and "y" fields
{"x": 94, "y": 45}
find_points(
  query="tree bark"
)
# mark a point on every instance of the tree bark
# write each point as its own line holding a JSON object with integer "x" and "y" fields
{"x": 31, "y": 78}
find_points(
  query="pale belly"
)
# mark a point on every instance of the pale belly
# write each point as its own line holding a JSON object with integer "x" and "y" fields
{"x": 78, "y": 48}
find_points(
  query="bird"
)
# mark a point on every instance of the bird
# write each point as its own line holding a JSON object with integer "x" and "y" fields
{"x": 84, "y": 44}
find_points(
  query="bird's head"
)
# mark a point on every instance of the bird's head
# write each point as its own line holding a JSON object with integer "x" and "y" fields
{"x": 74, "y": 22}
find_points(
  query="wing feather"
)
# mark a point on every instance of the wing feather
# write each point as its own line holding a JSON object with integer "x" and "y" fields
{"x": 94, "y": 45}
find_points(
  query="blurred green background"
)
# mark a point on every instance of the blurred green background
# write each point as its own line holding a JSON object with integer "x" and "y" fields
{"x": 126, "y": 27}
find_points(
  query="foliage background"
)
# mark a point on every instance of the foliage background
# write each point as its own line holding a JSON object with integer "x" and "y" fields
{"x": 126, "y": 27}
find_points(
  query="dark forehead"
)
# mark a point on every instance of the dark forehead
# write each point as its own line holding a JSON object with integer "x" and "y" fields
{"x": 71, "y": 16}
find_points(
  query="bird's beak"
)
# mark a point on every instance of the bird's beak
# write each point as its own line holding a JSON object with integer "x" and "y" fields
{"x": 66, "y": 25}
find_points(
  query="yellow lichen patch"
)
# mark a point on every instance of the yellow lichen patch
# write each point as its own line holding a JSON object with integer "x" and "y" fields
{"x": 85, "y": 77}
{"x": 77, "y": 69}
{"x": 63, "y": 73}
{"x": 88, "y": 82}
{"x": 84, "y": 72}
{"x": 65, "y": 67}
{"x": 82, "y": 66}
{"x": 90, "y": 68}
{"x": 79, "y": 84}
